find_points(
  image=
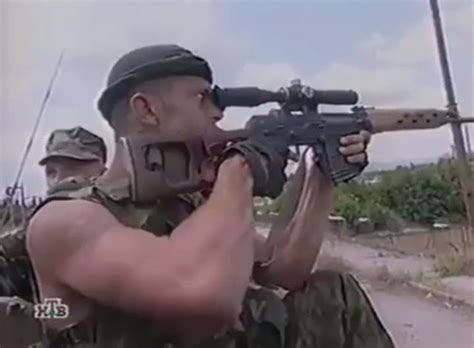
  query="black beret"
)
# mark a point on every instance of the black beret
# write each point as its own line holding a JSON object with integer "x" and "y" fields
{"x": 148, "y": 63}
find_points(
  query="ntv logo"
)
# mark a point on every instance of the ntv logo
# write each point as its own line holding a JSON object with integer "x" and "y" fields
{"x": 51, "y": 308}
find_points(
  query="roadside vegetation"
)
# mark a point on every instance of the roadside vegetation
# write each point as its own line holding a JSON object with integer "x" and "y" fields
{"x": 421, "y": 195}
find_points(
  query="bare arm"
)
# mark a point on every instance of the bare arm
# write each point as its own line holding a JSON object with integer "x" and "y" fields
{"x": 293, "y": 257}
{"x": 189, "y": 277}
{"x": 296, "y": 251}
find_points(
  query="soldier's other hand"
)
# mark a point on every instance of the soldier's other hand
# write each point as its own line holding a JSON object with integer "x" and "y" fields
{"x": 267, "y": 162}
{"x": 354, "y": 147}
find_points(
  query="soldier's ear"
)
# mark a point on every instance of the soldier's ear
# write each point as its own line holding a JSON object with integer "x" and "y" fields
{"x": 145, "y": 109}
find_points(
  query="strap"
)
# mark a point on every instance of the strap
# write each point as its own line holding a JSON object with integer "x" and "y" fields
{"x": 46, "y": 201}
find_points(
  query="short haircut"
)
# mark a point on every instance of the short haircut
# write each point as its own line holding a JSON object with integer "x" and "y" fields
{"x": 119, "y": 120}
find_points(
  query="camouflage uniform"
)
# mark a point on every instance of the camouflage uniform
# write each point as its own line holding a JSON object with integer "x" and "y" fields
{"x": 16, "y": 276}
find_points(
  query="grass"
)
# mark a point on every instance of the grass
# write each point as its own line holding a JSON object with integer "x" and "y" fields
{"x": 451, "y": 266}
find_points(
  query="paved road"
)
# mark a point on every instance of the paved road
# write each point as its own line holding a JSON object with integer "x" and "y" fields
{"x": 418, "y": 322}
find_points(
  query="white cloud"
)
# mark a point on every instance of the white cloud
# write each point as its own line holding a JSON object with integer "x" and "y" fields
{"x": 269, "y": 76}
{"x": 416, "y": 46}
{"x": 375, "y": 85}
{"x": 392, "y": 72}
{"x": 93, "y": 34}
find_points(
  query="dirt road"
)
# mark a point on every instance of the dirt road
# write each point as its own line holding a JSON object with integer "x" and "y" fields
{"x": 414, "y": 319}
{"x": 419, "y": 322}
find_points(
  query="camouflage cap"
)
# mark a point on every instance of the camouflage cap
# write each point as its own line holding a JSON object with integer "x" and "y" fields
{"x": 76, "y": 143}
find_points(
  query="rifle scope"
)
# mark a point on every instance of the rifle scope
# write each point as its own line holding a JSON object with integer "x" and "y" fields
{"x": 296, "y": 94}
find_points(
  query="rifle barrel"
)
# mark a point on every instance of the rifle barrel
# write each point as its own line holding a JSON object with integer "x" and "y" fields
{"x": 463, "y": 120}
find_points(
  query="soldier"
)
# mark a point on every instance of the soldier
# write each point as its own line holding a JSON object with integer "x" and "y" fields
{"x": 72, "y": 156}
{"x": 176, "y": 271}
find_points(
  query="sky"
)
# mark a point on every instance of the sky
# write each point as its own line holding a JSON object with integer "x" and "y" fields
{"x": 383, "y": 49}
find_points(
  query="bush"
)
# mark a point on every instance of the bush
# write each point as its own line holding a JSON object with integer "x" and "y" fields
{"x": 420, "y": 195}
{"x": 382, "y": 217}
{"x": 353, "y": 201}
{"x": 265, "y": 206}
{"x": 348, "y": 206}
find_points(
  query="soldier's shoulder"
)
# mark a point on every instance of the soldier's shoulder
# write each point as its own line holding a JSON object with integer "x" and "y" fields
{"x": 74, "y": 197}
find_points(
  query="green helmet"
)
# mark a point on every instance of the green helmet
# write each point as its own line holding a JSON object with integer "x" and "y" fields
{"x": 76, "y": 143}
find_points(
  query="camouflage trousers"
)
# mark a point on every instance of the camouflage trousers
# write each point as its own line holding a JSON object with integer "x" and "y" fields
{"x": 330, "y": 311}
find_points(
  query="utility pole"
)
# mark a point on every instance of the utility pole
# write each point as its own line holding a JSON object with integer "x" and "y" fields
{"x": 465, "y": 176}
{"x": 468, "y": 143}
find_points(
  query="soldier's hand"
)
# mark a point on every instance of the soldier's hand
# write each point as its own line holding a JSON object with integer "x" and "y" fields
{"x": 234, "y": 172}
{"x": 354, "y": 147}
{"x": 267, "y": 163}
